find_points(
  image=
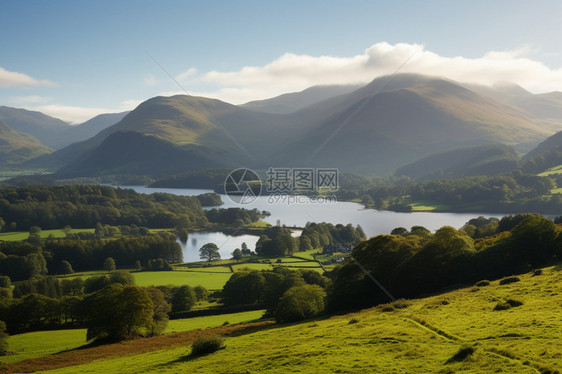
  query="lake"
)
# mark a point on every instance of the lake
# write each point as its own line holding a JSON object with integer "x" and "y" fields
{"x": 372, "y": 221}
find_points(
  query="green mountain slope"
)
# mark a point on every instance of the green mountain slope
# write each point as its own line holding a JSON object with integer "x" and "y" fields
{"x": 46, "y": 129}
{"x": 291, "y": 102}
{"x": 481, "y": 160}
{"x": 454, "y": 332}
{"x": 379, "y": 133}
{"x": 90, "y": 128}
{"x": 16, "y": 147}
{"x": 216, "y": 133}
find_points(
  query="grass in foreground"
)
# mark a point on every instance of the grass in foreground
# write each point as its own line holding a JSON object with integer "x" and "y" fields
{"x": 457, "y": 331}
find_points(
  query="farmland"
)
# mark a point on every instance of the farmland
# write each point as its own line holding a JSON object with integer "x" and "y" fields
{"x": 455, "y": 331}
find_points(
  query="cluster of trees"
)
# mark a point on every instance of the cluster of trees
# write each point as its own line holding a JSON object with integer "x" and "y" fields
{"x": 109, "y": 306}
{"x": 82, "y": 206}
{"x": 287, "y": 294}
{"x": 277, "y": 241}
{"x": 24, "y": 260}
{"x": 416, "y": 262}
{"x": 235, "y": 216}
{"x": 510, "y": 192}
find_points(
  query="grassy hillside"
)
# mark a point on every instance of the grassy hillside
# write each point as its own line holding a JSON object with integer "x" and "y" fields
{"x": 41, "y": 126}
{"x": 16, "y": 146}
{"x": 459, "y": 331}
{"x": 482, "y": 160}
{"x": 379, "y": 133}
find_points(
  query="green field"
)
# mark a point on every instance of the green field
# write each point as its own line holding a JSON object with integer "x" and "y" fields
{"x": 188, "y": 324}
{"x": 22, "y": 235}
{"x": 41, "y": 343}
{"x": 552, "y": 171}
{"x": 211, "y": 281}
{"x": 454, "y": 332}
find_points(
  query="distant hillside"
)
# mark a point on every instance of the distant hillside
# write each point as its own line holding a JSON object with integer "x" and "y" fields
{"x": 89, "y": 128}
{"x": 391, "y": 122}
{"x": 378, "y": 133}
{"x": 546, "y": 155}
{"x": 16, "y": 146}
{"x": 194, "y": 129}
{"x": 291, "y": 102}
{"x": 46, "y": 129}
{"x": 547, "y": 105}
{"x": 130, "y": 152}
{"x": 481, "y": 160}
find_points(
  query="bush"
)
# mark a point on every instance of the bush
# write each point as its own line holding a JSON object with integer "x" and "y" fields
{"x": 509, "y": 280}
{"x": 462, "y": 354}
{"x": 300, "y": 302}
{"x": 207, "y": 344}
{"x": 509, "y": 303}
{"x": 483, "y": 283}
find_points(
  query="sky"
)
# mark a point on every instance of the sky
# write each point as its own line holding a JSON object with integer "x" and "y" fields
{"x": 77, "y": 59}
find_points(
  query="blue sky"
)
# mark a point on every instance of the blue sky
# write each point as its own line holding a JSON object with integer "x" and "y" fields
{"x": 75, "y": 59}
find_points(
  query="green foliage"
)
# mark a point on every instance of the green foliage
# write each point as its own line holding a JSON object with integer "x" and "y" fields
{"x": 83, "y": 206}
{"x": 66, "y": 267}
{"x": 158, "y": 264}
{"x": 118, "y": 312}
{"x": 207, "y": 344}
{"x": 94, "y": 284}
{"x": 161, "y": 310}
{"x": 209, "y": 252}
{"x": 299, "y": 303}
{"x": 183, "y": 299}
{"x": 48, "y": 286}
{"x": 122, "y": 277}
{"x": 109, "y": 264}
{"x": 3, "y": 339}
{"x": 201, "y": 293}
{"x": 237, "y": 254}
{"x": 5, "y": 281}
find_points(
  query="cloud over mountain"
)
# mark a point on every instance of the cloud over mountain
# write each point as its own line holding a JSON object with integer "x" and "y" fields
{"x": 293, "y": 72}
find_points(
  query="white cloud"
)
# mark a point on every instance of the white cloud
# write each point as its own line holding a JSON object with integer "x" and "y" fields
{"x": 186, "y": 74}
{"x": 33, "y": 99}
{"x": 77, "y": 115}
{"x": 292, "y": 72}
{"x": 150, "y": 81}
{"x": 14, "y": 79}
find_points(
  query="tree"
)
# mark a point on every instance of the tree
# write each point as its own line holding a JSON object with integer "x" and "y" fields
{"x": 109, "y": 264}
{"x": 183, "y": 299}
{"x": 161, "y": 310}
{"x": 3, "y": 339}
{"x": 66, "y": 267}
{"x": 118, "y": 312}
{"x": 209, "y": 252}
{"x": 201, "y": 293}
{"x": 67, "y": 230}
{"x": 138, "y": 266}
{"x": 122, "y": 277}
{"x": 300, "y": 302}
{"x": 237, "y": 254}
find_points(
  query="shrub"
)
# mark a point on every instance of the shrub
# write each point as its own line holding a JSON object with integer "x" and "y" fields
{"x": 509, "y": 280}
{"x": 537, "y": 272}
{"x": 207, "y": 344}
{"x": 300, "y": 302}
{"x": 352, "y": 321}
{"x": 483, "y": 283}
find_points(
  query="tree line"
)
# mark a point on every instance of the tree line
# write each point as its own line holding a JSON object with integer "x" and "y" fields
{"x": 413, "y": 263}
{"x": 24, "y": 260}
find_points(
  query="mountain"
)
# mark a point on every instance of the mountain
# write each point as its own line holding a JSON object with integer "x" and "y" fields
{"x": 291, "y": 102}
{"x": 543, "y": 106}
{"x": 88, "y": 129}
{"x": 179, "y": 130}
{"x": 391, "y": 122}
{"x": 395, "y": 126}
{"x": 480, "y": 160}
{"x": 41, "y": 126}
{"x": 16, "y": 146}
{"x": 547, "y": 105}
